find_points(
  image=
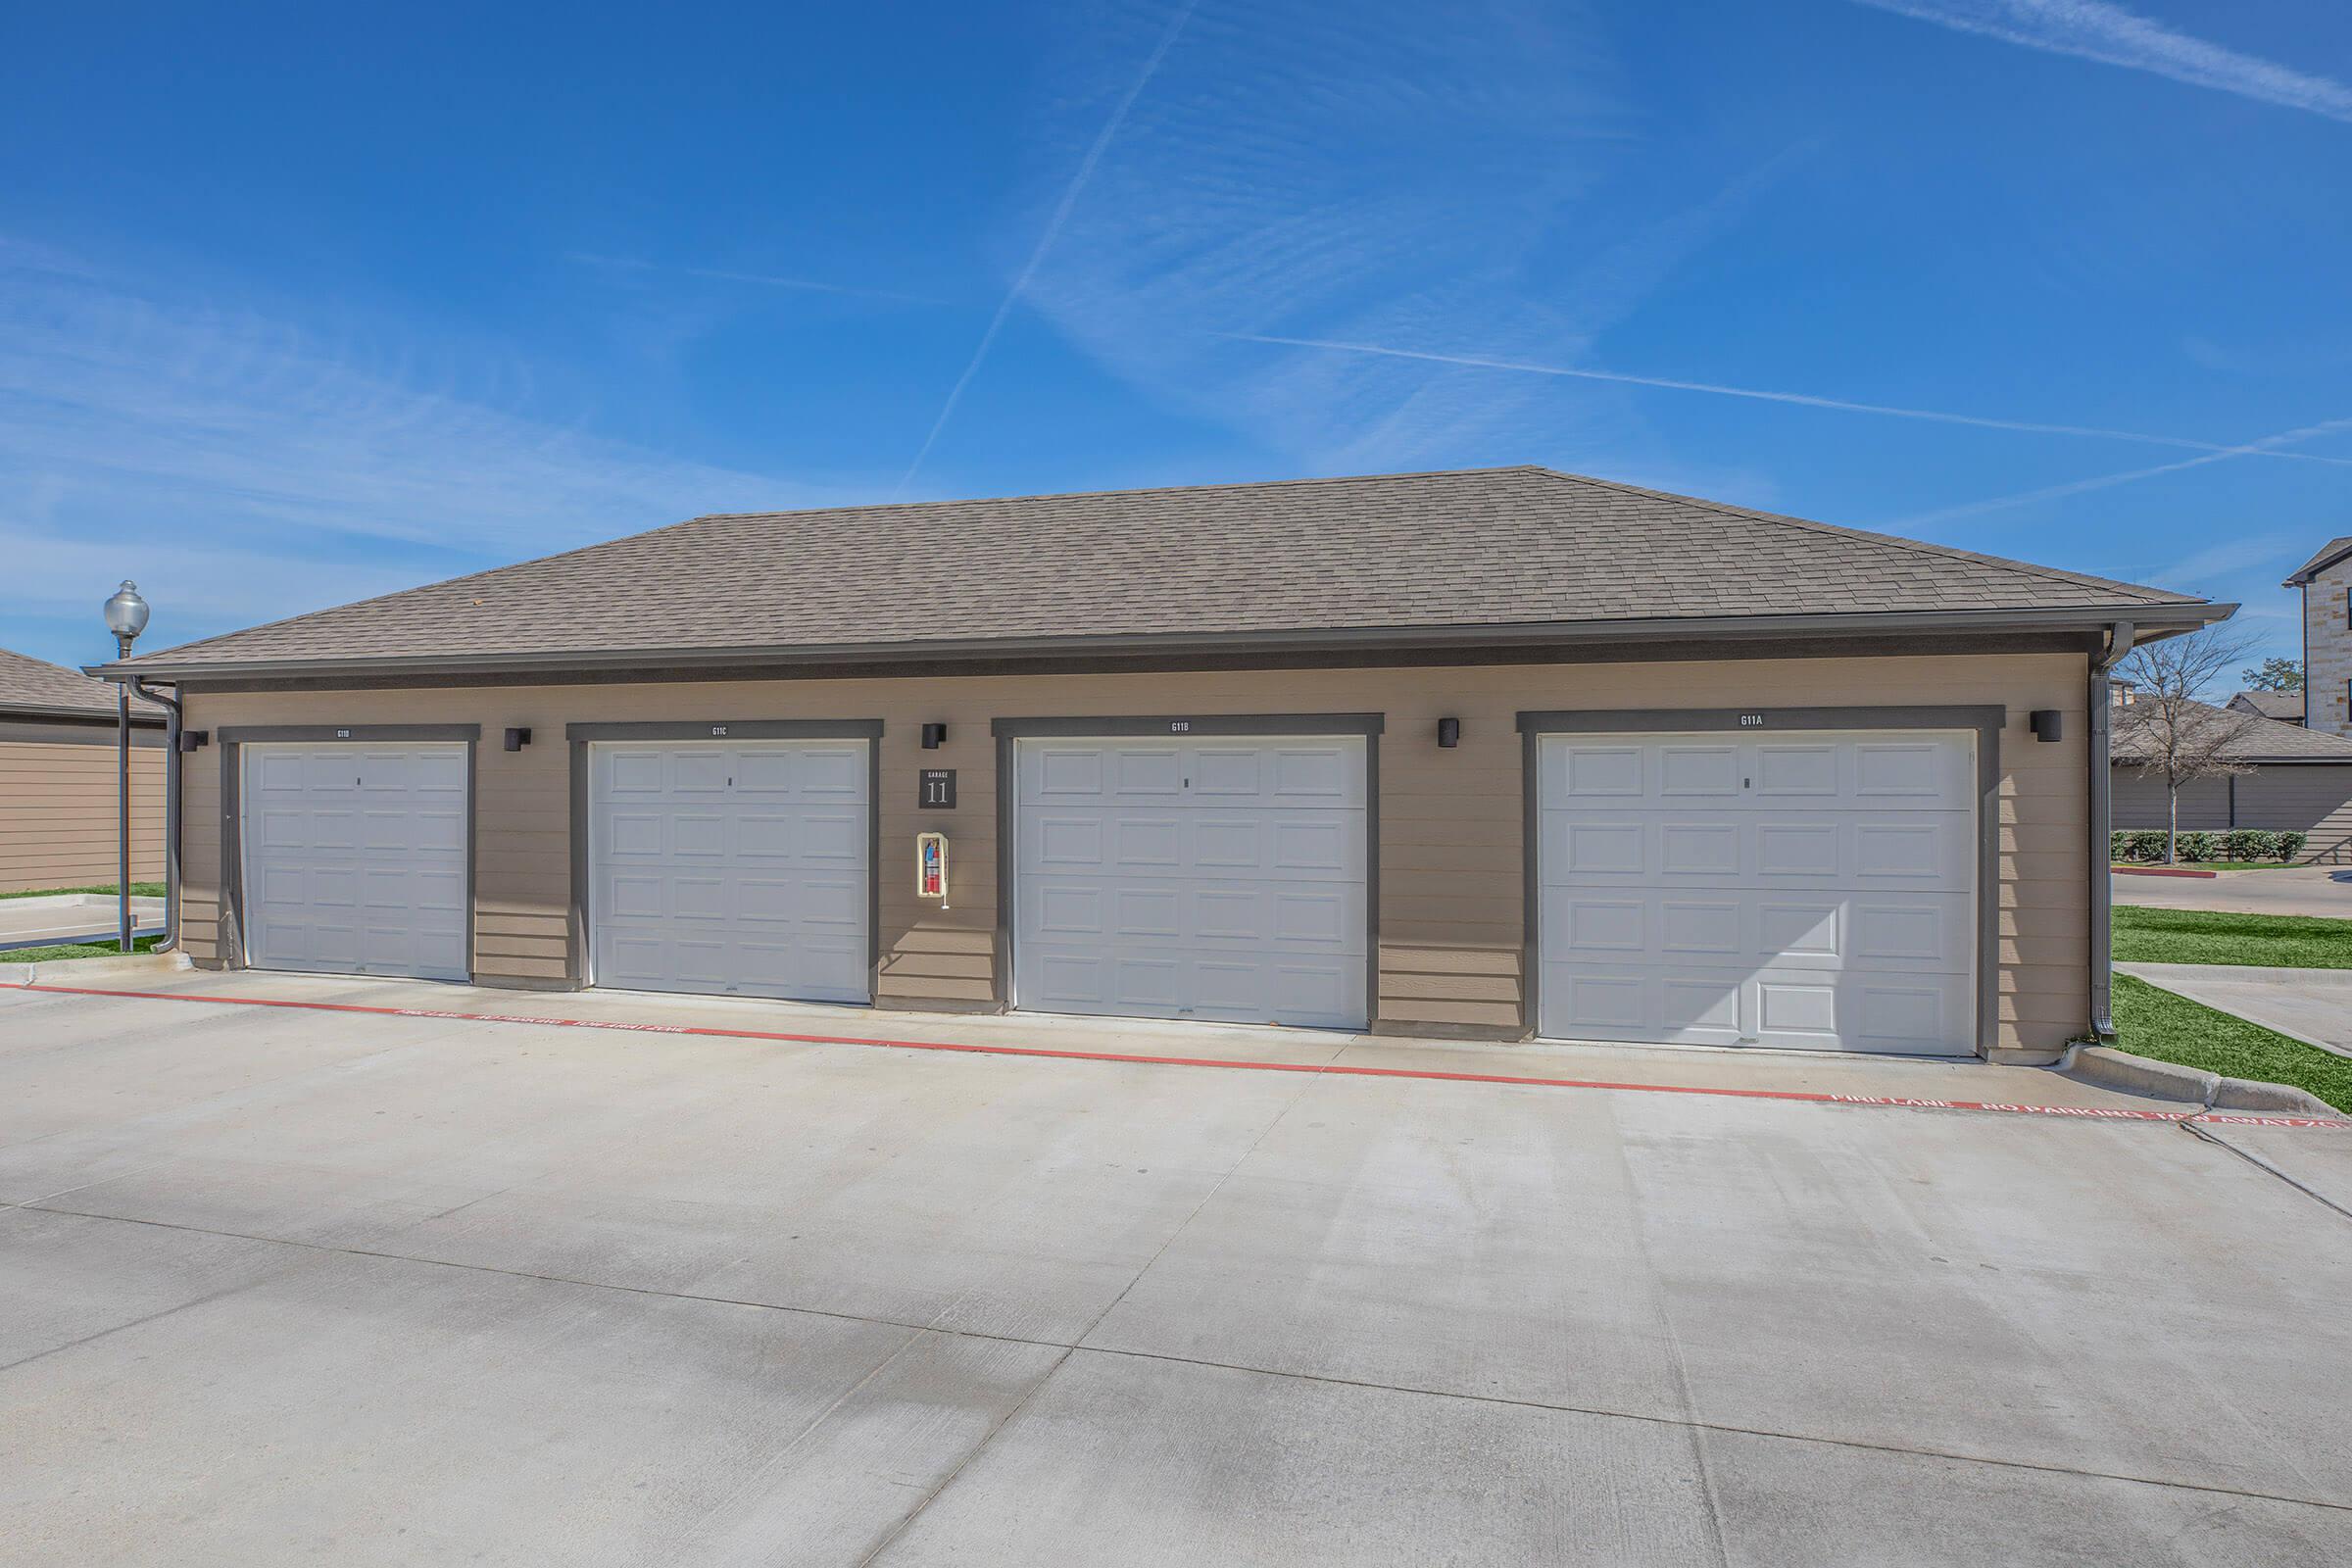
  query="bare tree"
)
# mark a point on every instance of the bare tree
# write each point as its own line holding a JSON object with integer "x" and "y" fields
{"x": 2165, "y": 730}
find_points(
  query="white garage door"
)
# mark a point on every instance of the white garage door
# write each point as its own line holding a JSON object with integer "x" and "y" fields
{"x": 1219, "y": 879}
{"x": 732, "y": 867}
{"x": 355, "y": 857}
{"x": 1809, "y": 890}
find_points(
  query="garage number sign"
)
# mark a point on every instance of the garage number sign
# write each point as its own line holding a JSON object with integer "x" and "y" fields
{"x": 938, "y": 790}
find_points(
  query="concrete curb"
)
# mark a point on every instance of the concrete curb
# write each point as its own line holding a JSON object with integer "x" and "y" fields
{"x": 2164, "y": 1080}
{"x": 64, "y": 971}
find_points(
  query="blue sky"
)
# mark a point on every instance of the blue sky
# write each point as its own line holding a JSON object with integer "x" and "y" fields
{"x": 303, "y": 303}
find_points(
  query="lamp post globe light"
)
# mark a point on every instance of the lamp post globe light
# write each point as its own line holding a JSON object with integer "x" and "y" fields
{"x": 125, "y": 617}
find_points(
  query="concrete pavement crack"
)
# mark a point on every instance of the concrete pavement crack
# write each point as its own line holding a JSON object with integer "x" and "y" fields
{"x": 1061, "y": 1360}
{"x": 2189, "y": 1125}
{"x": 1070, "y": 1349}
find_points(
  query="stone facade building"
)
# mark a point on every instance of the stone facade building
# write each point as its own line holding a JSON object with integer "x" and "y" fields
{"x": 2327, "y": 583}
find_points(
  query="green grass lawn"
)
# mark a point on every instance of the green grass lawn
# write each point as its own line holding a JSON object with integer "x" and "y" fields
{"x": 2208, "y": 936}
{"x": 2154, "y": 1022}
{"x": 2200, "y": 865}
{"x": 138, "y": 889}
{"x": 76, "y": 950}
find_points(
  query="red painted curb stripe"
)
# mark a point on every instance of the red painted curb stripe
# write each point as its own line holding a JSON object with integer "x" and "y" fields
{"x": 1805, "y": 1097}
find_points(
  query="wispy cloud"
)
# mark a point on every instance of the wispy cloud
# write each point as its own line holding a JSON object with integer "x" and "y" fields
{"x": 198, "y": 583}
{"x": 2233, "y": 556}
{"x": 2093, "y": 30}
{"x": 1801, "y": 399}
{"x": 2267, "y": 446}
{"x": 242, "y": 464}
{"x": 1051, "y": 231}
{"x": 804, "y": 285}
{"x": 1393, "y": 173}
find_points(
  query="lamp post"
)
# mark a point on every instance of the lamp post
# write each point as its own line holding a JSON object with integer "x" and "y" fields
{"x": 125, "y": 617}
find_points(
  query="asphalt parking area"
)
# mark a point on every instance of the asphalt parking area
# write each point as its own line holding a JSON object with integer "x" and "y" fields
{"x": 281, "y": 1285}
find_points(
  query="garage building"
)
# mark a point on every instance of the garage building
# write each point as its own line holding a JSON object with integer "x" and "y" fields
{"x": 2295, "y": 779}
{"x": 1497, "y": 754}
{"x": 59, "y": 770}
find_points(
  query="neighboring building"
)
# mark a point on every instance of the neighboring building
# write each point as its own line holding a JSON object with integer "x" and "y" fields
{"x": 2281, "y": 708}
{"x": 58, "y": 765}
{"x": 1492, "y": 754}
{"x": 2301, "y": 782}
{"x": 2327, "y": 583}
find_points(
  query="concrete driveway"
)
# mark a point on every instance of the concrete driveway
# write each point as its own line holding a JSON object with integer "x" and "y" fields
{"x": 283, "y": 1285}
{"x": 2322, "y": 890}
{"x": 70, "y": 916}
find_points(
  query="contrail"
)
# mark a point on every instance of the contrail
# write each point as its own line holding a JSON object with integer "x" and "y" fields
{"x": 1802, "y": 399}
{"x": 811, "y": 285}
{"x": 1052, "y": 232}
{"x": 2095, "y": 29}
{"x": 2266, "y": 447}
{"x": 807, "y": 285}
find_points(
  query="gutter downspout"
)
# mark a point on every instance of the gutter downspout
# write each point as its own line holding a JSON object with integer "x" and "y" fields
{"x": 172, "y": 813}
{"x": 2102, "y": 879}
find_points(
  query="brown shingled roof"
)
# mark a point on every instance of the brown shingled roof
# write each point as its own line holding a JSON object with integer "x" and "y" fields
{"x": 1481, "y": 548}
{"x": 2284, "y": 707}
{"x": 30, "y": 688}
{"x": 2258, "y": 740}
{"x": 2334, "y": 551}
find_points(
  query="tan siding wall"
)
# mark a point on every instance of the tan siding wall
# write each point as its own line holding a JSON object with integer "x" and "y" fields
{"x": 57, "y": 815}
{"x": 200, "y": 848}
{"x": 2312, "y": 799}
{"x": 1450, "y": 882}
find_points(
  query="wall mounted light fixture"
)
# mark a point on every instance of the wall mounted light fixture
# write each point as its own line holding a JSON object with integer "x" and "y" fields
{"x": 1449, "y": 732}
{"x": 2049, "y": 724}
{"x": 934, "y": 736}
{"x": 517, "y": 739}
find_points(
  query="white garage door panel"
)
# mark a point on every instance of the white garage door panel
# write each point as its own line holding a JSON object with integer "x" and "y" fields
{"x": 1822, "y": 1010}
{"x": 1812, "y": 889}
{"x": 1192, "y": 774}
{"x": 733, "y": 868}
{"x": 355, "y": 858}
{"x": 1663, "y": 847}
{"x": 1927, "y": 771}
{"x": 1220, "y": 879}
{"x": 1207, "y": 916}
{"x": 1907, "y": 932}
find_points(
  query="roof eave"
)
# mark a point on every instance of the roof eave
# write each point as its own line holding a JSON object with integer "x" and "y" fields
{"x": 2315, "y": 566}
{"x": 97, "y": 715}
{"x": 2151, "y": 621}
{"x": 2345, "y": 760}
